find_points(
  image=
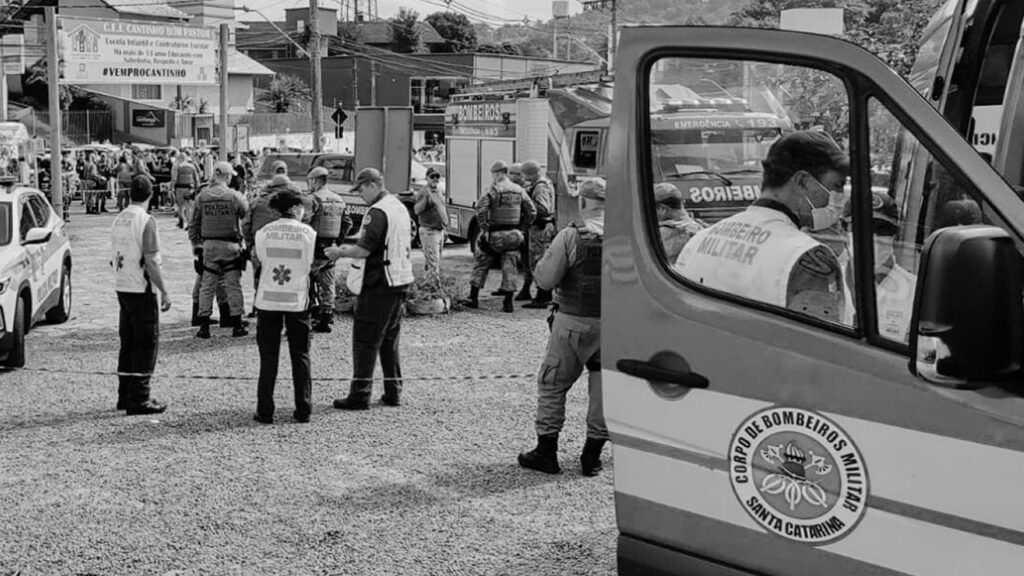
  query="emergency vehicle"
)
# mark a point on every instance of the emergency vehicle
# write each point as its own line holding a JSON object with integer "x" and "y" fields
{"x": 35, "y": 268}
{"x": 754, "y": 439}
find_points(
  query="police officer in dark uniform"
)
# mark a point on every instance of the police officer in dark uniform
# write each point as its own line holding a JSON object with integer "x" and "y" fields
{"x": 572, "y": 268}
{"x": 331, "y": 223}
{"x": 502, "y": 214}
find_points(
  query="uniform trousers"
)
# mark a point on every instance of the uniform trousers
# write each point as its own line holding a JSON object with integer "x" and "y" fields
{"x": 539, "y": 238}
{"x": 139, "y": 329}
{"x": 375, "y": 332}
{"x": 506, "y": 243}
{"x": 221, "y": 261}
{"x": 268, "y": 337}
{"x": 182, "y": 206}
{"x": 574, "y": 344}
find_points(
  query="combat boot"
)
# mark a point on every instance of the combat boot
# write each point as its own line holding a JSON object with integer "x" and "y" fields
{"x": 499, "y": 292}
{"x": 524, "y": 294}
{"x": 474, "y": 298}
{"x": 543, "y": 458}
{"x": 506, "y": 306}
{"x": 195, "y": 314}
{"x": 590, "y": 458}
{"x": 541, "y": 301}
{"x": 321, "y": 323}
{"x": 239, "y": 328}
{"x": 204, "y": 327}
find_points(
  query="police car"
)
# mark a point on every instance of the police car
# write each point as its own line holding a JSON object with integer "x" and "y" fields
{"x": 35, "y": 268}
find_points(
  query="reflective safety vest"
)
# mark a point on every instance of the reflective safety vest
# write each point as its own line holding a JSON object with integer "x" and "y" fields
{"x": 895, "y": 298}
{"x": 579, "y": 292}
{"x": 328, "y": 219}
{"x": 126, "y": 250}
{"x": 285, "y": 251}
{"x": 187, "y": 176}
{"x": 749, "y": 254}
{"x": 506, "y": 204}
{"x": 218, "y": 207}
{"x": 397, "y": 247}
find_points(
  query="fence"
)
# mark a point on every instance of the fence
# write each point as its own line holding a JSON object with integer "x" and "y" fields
{"x": 266, "y": 124}
{"x": 77, "y": 126}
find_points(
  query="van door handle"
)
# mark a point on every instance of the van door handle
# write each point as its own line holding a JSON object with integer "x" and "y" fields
{"x": 648, "y": 371}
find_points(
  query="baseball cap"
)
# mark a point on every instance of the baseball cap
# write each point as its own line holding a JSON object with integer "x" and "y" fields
{"x": 317, "y": 172}
{"x": 665, "y": 191}
{"x": 432, "y": 172}
{"x": 223, "y": 169}
{"x": 592, "y": 188}
{"x": 806, "y": 150}
{"x": 368, "y": 175}
{"x": 279, "y": 166}
{"x": 499, "y": 166}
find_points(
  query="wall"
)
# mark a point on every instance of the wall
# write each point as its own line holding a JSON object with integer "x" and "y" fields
{"x": 304, "y": 141}
{"x": 240, "y": 95}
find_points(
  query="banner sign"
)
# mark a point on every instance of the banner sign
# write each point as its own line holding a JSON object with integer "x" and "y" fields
{"x": 131, "y": 52}
{"x": 148, "y": 119}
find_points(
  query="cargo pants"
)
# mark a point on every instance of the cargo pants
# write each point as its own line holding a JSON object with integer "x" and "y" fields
{"x": 182, "y": 206}
{"x": 323, "y": 287}
{"x": 506, "y": 243}
{"x": 574, "y": 344}
{"x": 221, "y": 259}
{"x": 539, "y": 241}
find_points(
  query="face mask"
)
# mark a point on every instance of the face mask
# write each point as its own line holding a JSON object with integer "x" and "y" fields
{"x": 883, "y": 251}
{"x": 828, "y": 215}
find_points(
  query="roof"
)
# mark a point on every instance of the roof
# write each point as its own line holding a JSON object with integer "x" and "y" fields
{"x": 147, "y": 8}
{"x": 380, "y": 32}
{"x": 239, "y": 63}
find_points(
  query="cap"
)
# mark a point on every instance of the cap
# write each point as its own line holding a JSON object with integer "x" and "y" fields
{"x": 432, "y": 172}
{"x": 592, "y": 188}
{"x": 141, "y": 184}
{"x": 279, "y": 166}
{"x": 368, "y": 175}
{"x": 515, "y": 168}
{"x": 318, "y": 172}
{"x": 665, "y": 191}
{"x": 531, "y": 168}
{"x": 223, "y": 168}
{"x": 806, "y": 150}
{"x": 499, "y": 166}
{"x": 883, "y": 209}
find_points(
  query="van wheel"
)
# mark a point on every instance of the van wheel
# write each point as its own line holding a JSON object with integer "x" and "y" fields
{"x": 16, "y": 357}
{"x": 60, "y": 313}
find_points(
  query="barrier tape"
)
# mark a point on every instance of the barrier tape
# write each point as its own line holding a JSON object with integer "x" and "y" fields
{"x": 473, "y": 377}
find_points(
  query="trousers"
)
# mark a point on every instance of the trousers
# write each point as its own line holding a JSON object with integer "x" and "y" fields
{"x": 139, "y": 330}
{"x": 539, "y": 238}
{"x": 268, "y": 337}
{"x": 221, "y": 262}
{"x": 323, "y": 286}
{"x": 432, "y": 242}
{"x": 183, "y": 207}
{"x": 574, "y": 344}
{"x": 375, "y": 332}
{"x": 506, "y": 243}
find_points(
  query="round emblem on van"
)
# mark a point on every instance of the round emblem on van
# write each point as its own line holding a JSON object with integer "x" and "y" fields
{"x": 798, "y": 475}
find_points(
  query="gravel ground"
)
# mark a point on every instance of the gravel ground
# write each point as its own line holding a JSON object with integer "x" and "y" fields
{"x": 428, "y": 488}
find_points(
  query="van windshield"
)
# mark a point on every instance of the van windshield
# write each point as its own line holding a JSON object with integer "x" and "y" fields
{"x": 680, "y": 153}
{"x": 5, "y": 223}
{"x": 298, "y": 165}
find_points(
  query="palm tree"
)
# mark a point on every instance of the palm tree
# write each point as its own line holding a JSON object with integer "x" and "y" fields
{"x": 286, "y": 92}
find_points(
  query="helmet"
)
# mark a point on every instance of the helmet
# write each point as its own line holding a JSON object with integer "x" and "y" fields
{"x": 318, "y": 172}
{"x": 279, "y": 167}
{"x": 531, "y": 168}
{"x": 499, "y": 166}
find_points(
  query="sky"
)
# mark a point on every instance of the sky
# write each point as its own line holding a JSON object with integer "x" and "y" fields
{"x": 490, "y": 11}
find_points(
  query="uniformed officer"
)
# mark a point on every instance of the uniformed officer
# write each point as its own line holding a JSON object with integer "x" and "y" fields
{"x": 675, "y": 226}
{"x": 331, "y": 222}
{"x": 542, "y": 192}
{"x": 515, "y": 174}
{"x": 216, "y": 233}
{"x": 572, "y": 267}
{"x": 135, "y": 257}
{"x": 502, "y": 214}
{"x": 185, "y": 177}
{"x": 763, "y": 253}
{"x": 284, "y": 249}
{"x": 259, "y": 215}
{"x": 380, "y": 281}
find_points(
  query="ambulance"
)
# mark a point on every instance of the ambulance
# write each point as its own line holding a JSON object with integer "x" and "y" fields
{"x": 751, "y": 438}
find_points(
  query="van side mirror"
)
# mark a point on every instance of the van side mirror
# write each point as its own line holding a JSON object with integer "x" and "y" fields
{"x": 969, "y": 319}
{"x": 36, "y": 236}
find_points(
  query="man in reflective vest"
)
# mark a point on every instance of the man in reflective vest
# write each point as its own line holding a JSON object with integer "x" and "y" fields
{"x": 764, "y": 253}
{"x": 216, "y": 234}
{"x": 542, "y": 192}
{"x": 135, "y": 257}
{"x": 572, "y": 268}
{"x": 502, "y": 214}
{"x": 380, "y": 277}
{"x": 331, "y": 223}
{"x": 284, "y": 249}
{"x": 185, "y": 178}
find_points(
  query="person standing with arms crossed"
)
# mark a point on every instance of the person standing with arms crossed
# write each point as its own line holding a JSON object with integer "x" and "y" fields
{"x": 135, "y": 257}
{"x": 542, "y": 192}
{"x": 331, "y": 222}
{"x": 284, "y": 249}
{"x": 431, "y": 211}
{"x": 381, "y": 282}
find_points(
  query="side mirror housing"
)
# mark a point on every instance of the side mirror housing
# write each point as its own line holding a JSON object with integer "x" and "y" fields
{"x": 36, "y": 236}
{"x": 969, "y": 320}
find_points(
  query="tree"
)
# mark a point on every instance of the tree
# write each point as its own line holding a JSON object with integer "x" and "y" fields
{"x": 286, "y": 93}
{"x": 405, "y": 33}
{"x": 456, "y": 30}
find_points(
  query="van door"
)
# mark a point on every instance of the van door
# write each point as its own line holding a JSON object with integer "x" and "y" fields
{"x": 934, "y": 63}
{"x": 757, "y": 431}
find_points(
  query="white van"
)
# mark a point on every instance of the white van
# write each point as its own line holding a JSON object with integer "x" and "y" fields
{"x": 755, "y": 439}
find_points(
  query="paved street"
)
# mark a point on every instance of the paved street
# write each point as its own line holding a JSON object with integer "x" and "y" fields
{"x": 428, "y": 488}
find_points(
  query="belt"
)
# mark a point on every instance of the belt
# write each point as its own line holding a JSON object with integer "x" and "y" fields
{"x": 503, "y": 227}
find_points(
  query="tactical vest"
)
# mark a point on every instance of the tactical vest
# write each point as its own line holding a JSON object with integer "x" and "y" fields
{"x": 186, "y": 176}
{"x": 219, "y": 213}
{"x": 579, "y": 292}
{"x": 261, "y": 213}
{"x": 544, "y": 215}
{"x": 506, "y": 204}
{"x": 327, "y": 221}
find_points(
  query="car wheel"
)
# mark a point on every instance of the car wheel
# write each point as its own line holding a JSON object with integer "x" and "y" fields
{"x": 16, "y": 357}
{"x": 62, "y": 311}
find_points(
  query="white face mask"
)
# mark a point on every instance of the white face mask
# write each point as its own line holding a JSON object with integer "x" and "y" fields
{"x": 883, "y": 250}
{"x": 828, "y": 215}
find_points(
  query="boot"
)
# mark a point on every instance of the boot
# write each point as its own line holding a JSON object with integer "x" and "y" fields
{"x": 474, "y": 298}
{"x": 239, "y": 326}
{"x": 524, "y": 294}
{"x": 204, "y": 327}
{"x": 499, "y": 292}
{"x": 506, "y": 306}
{"x": 225, "y": 316}
{"x": 195, "y": 314}
{"x": 321, "y": 323}
{"x": 590, "y": 458}
{"x": 541, "y": 301}
{"x": 543, "y": 458}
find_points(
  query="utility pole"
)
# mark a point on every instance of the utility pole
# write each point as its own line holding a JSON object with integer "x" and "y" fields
{"x": 53, "y": 81}
{"x": 318, "y": 85}
{"x": 614, "y": 39}
{"x": 224, "y": 35}
{"x": 373, "y": 83}
{"x": 355, "y": 79}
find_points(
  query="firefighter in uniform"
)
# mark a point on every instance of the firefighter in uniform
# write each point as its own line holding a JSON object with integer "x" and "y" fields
{"x": 572, "y": 268}
{"x": 185, "y": 178}
{"x": 542, "y": 192}
{"x": 502, "y": 214}
{"x": 331, "y": 222}
{"x": 216, "y": 234}
{"x": 284, "y": 249}
{"x": 764, "y": 252}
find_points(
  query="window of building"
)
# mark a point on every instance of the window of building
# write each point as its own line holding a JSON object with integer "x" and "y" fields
{"x": 146, "y": 92}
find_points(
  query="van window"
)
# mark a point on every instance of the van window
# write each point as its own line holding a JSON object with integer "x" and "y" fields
{"x": 728, "y": 220}
{"x": 338, "y": 169}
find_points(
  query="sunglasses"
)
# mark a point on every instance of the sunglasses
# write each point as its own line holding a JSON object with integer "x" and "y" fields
{"x": 434, "y": 176}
